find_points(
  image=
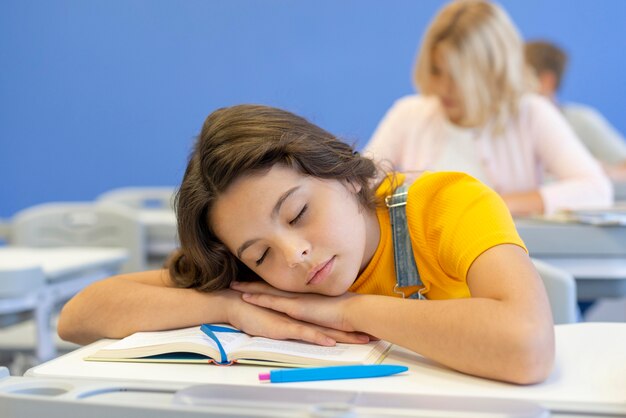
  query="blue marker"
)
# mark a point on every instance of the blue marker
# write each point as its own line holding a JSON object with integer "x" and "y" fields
{"x": 331, "y": 373}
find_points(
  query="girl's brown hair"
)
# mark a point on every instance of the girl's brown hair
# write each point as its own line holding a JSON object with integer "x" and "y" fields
{"x": 239, "y": 141}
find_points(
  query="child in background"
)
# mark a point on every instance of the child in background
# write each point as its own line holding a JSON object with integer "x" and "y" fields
{"x": 474, "y": 115}
{"x": 548, "y": 62}
{"x": 285, "y": 234}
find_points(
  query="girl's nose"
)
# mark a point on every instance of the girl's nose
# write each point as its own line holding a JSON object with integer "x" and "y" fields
{"x": 295, "y": 251}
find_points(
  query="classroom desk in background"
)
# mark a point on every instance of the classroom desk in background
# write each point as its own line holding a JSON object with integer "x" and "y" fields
{"x": 589, "y": 377}
{"x": 34, "y": 280}
{"x": 546, "y": 238}
{"x": 594, "y": 255}
{"x": 596, "y": 278}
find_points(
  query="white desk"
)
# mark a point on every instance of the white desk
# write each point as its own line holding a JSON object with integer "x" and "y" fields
{"x": 596, "y": 277}
{"x": 546, "y": 238}
{"x": 590, "y": 373}
{"x": 594, "y": 255}
{"x": 36, "y": 279}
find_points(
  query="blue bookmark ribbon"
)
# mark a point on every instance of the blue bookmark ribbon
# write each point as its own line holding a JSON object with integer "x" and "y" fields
{"x": 210, "y": 330}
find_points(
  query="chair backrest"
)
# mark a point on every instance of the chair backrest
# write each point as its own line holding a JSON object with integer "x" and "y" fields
{"x": 619, "y": 189}
{"x": 561, "y": 289}
{"x": 75, "y": 224}
{"x": 141, "y": 197}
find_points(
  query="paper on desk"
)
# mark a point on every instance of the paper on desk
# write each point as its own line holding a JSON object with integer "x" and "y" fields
{"x": 615, "y": 216}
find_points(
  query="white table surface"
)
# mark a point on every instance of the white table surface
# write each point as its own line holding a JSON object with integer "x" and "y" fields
{"x": 589, "y": 375}
{"x": 58, "y": 262}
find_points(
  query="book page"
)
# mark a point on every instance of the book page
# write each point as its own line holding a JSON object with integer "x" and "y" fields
{"x": 349, "y": 353}
{"x": 144, "y": 339}
{"x": 177, "y": 336}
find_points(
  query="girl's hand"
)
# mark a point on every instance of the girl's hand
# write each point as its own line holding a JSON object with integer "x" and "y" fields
{"x": 325, "y": 311}
{"x": 270, "y": 323}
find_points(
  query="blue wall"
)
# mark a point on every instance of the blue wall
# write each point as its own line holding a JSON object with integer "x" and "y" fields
{"x": 107, "y": 93}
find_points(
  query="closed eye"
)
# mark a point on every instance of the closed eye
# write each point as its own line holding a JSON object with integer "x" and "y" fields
{"x": 297, "y": 218}
{"x": 260, "y": 260}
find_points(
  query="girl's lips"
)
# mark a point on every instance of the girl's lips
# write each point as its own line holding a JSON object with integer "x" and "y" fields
{"x": 321, "y": 271}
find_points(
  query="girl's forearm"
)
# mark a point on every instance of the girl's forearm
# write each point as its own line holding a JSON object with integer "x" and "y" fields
{"x": 478, "y": 336}
{"x": 117, "y": 307}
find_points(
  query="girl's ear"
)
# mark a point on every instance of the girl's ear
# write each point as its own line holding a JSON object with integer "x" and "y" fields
{"x": 353, "y": 187}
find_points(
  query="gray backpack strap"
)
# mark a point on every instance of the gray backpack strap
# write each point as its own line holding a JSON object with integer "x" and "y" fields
{"x": 407, "y": 273}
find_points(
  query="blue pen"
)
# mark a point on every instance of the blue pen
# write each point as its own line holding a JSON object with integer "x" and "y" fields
{"x": 331, "y": 373}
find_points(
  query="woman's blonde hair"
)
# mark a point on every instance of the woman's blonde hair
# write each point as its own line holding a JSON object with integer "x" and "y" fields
{"x": 484, "y": 52}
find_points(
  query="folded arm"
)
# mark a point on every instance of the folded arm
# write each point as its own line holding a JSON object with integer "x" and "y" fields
{"x": 149, "y": 301}
{"x": 146, "y": 301}
{"x": 504, "y": 331}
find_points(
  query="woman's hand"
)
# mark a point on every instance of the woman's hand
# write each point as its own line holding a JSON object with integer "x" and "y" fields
{"x": 524, "y": 203}
{"x": 258, "y": 313}
{"x": 325, "y": 311}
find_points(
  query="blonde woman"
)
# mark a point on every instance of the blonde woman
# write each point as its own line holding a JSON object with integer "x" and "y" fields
{"x": 475, "y": 115}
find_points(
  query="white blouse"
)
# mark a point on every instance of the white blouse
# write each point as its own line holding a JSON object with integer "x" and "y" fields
{"x": 415, "y": 134}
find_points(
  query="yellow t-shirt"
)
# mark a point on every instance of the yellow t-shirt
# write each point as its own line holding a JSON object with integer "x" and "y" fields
{"x": 452, "y": 218}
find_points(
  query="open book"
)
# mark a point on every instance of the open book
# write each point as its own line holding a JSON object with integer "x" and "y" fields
{"x": 228, "y": 345}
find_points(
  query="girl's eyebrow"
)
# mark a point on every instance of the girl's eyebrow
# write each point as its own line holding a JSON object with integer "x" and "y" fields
{"x": 282, "y": 199}
{"x": 274, "y": 214}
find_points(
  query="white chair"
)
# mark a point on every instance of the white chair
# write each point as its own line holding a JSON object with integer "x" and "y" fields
{"x": 619, "y": 188}
{"x": 35, "y": 281}
{"x": 74, "y": 224}
{"x": 141, "y": 197}
{"x": 62, "y": 226}
{"x": 561, "y": 289}
{"x": 155, "y": 209}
